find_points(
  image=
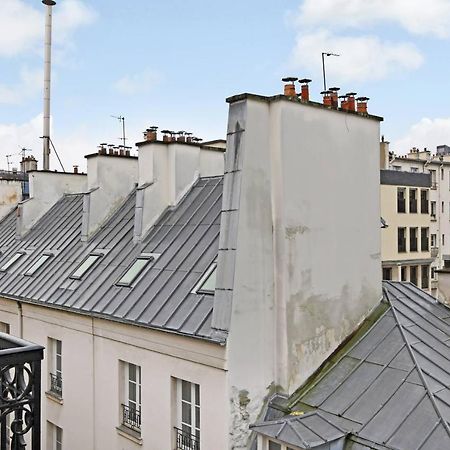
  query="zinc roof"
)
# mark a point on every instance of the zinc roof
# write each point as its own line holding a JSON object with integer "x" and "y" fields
{"x": 185, "y": 236}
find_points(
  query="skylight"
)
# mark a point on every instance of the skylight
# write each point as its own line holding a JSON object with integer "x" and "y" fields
{"x": 85, "y": 266}
{"x": 207, "y": 283}
{"x": 135, "y": 269}
{"x": 38, "y": 264}
{"x": 11, "y": 262}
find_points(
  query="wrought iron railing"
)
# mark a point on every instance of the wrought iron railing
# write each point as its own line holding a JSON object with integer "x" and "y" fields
{"x": 131, "y": 417}
{"x": 20, "y": 393}
{"x": 186, "y": 441}
{"x": 56, "y": 384}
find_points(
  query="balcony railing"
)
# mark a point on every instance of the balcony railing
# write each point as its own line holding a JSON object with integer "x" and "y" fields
{"x": 186, "y": 441}
{"x": 20, "y": 394}
{"x": 56, "y": 384}
{"x": 131, "y": 417}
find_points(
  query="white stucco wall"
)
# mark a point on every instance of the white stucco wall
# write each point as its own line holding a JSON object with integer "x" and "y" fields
{"x": 10, "y": 195}
{"x": 305, "y": 182}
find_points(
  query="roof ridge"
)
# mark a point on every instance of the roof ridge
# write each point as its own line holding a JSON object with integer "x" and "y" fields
{"x": 416, "y": 364}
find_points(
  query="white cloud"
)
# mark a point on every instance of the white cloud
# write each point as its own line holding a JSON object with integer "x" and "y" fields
{"x": 362, "y": 58}
{"x": 415, "y": 16}
{"x": 427, "y": 133}
{"x": 29, "y": 84}
{"x": 138, "y": 83}
{"x": 23, "y": 26}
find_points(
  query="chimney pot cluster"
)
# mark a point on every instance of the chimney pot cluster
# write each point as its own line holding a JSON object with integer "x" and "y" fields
{"x": 171, "y": 136}
{"x": 113, "y": 150}
{"x": 150, "y": 134}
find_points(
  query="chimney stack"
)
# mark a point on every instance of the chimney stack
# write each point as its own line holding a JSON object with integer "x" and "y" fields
{"x": 327, "y": 98}
{"x": 350, "y": 101}
{"x": 181, "y": 136}
{"x": 304, "y": 95}
{"x": 28, "y": 163}
{"x": 188, "y": 136}
{"x": 344, "y": 102}
{"x": 150, "y": 134}
{"x": 334, "y": 97}
{"x": 362, "y": 104}
{"x": 289, "y": 87}
{"x": 75, "y": 169}
{"x": 102, "y": 149}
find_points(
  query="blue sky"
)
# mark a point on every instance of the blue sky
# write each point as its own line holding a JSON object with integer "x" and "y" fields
{"x": 172, "y": 63}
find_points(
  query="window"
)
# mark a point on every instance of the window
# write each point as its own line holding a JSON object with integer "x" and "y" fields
{"x": 413, "y": 239}
{"x": 55, "y": 366}
{"x": 433, "y": 209}
{"x": 4, "y": 327}
{"x": 401, "y": 200}
{"x": 442, "y": 207}
{"x": 188, "y": 415}
{"x": 131, "y": 407}
{"x": 397, "y": 168}
{"x": 442, "y": 174}
{"x": 37, "y": 264}
{"x": 269, "y": 444}
{"x": 387, "y": 273}
{"x": 414, "y": 169}
{"x": 424, "y": 239}
{"x": 433, "y": 273}
{"x": 433, "y": 179}
{"x": 207, "y": 283}
{"x": 136, "y": 269}
{"x": 85, "y": 266}
{"x": 413, "y": 201}
{"x": 424, "y": 201}
{"x": 433, "y": 240}
{"x": 54, "y": 437}
{"x": 413, "y": 274}
{"x": 425, "y": 278}
{"x": 401, "y": 242}
{"x": 404, "y": 273}
{"x": 11, "y": 262}
{"x": 443, "y": 239}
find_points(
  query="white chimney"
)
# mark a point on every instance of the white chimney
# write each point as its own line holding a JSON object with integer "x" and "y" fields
{"x": 167, "y": 170}
{"x": 110, "y": 179}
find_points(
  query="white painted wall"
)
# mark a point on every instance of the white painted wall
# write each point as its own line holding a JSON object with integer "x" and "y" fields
{"x": 305, "y": 182}
{"x": 46, "y": 188}
{"x": 10, "y": 195}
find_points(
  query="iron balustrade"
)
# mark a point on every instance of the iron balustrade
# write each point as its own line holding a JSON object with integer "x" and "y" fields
{"x": 186, "y": 441}
{"x": 56, "y": 384}
{"x": 131, "y": 417}
{"x": 20, "y": 394}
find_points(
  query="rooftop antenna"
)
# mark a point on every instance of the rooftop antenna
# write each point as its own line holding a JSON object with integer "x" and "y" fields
{"x": 47, "y": 78}
{"x": 8, "y": 162}
{"x": 123, "y": 138}
{"x": 323, "y": 67}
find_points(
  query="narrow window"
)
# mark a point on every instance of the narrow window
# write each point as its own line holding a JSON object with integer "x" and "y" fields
{"x": 54, "y": 437}
{"x": 413, "y": 274}
{"x": 414, "y": 169}
{"x": 397, "y": 168}
{"x": 443, "y": 239}
{"x": 433, "y": 273}
{"x": 442, "y": 207}
{"x": 433, "y": 210}
{"x": 413, "y": 201}
{"x": 55, "y": 366}
{"x": 131, "y": 407}
{"x": 85, "y": 266}
{"x": 404, "y": 273}
{"x": 401, "y": 243}
{"x": 424, "y": 201}
{"x": 11, "y": 262}
{"x": 188, "y": 415}
{"x": 413, "y": 239}
{"x": 401, "y": 200}
{"x": 387, "y": 273}
{"x": 4, "y": 327}
{"x": 442, "y": 174}
{"x": 433, "y": 240}
{"x": 37, "y": 265}
{"x": 433, "y": 179}
{"x": 425, "y": 277}
{"x": 135, "y": 269}
{"x": 207, "y": 283}
{"x": 424, "y": 246}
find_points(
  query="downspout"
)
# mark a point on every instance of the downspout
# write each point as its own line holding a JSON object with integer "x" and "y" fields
{"x": 20, "y": 312}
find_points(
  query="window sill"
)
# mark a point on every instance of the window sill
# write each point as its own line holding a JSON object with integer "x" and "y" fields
{"x": 54, "y": 397}
{"x": 130, "y": 434}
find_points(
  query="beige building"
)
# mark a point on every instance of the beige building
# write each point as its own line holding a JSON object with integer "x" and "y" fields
{"x": 405, "y": 242}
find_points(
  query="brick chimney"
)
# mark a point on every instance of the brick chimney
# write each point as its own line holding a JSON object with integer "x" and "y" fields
{"x": 289, "y": 87}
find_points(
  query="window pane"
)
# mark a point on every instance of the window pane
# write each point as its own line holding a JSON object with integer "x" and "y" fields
{"x": 197, "y": 394}
{"x": 37, "y": 265}
{"x": 197, "y": 417}
{"x": 274, "y": 446}
{"x": 186, "y": 416}
{"x": 12, "y": 261}
{"x": 186, "y": 391}
{"x": 209, "y": 284}
{"x": 132, "y": 391}
{"x": 85, "y": 266}
{"x": 133, "y": 272}
{"x": 132, "y": 372}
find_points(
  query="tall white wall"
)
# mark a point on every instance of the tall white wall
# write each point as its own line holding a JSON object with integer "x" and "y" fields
{"x": 301, "y": 228}
{"x": 10, "y": 195}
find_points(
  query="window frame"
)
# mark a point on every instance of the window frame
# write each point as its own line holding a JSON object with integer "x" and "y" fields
{"x": 47, "y": 256}
{"x": 194, "y": 405}
{"x": 198, "y": 288}
{"x": 97, "y": 256}
{"x": 55, "y": 366}
{"x": 133, "y": 404}
{"x": 149, "y": 257}
{"x": 12, "y": 261}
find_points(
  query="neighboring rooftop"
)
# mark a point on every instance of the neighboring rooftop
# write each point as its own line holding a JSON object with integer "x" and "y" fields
{"x": 386, "y": 388}
{"x": 403, "y": 178}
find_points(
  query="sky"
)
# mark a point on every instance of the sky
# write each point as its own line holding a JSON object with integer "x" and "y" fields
{"x": 173, "y": 63}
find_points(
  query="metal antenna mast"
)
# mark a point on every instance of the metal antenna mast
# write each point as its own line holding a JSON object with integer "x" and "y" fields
{"x": 323, "y": 67}
{"x": 47, "y": 79}
{"x": 8, "y": 162}
{"x": 123, "y": 138}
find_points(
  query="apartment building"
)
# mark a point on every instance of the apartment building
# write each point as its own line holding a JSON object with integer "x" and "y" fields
{"x": 187, "y": 301}
{"x": 407, "y": 252}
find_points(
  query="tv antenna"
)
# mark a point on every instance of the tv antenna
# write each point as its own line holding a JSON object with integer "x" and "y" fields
{"x": 123, "y": 138}
{"x": 8, "y": 162}
{"x": 323, "y": 67}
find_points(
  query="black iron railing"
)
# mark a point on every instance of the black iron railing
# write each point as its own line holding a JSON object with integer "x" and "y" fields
{"x": 56, "y": 384}
{"x": 20, "y": 393}
{"x": 131, "y": 417}
{"x": 186, "y": 441}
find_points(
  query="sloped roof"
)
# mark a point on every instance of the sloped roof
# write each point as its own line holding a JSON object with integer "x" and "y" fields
{"x": 185, "y": 236}
{"x": 390, "y": 388}
{"x": 7, "y": 230}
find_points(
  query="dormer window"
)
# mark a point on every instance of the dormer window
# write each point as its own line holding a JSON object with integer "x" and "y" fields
{"x": 11, "y": 262}
{"x": 37, "y": 265}
{"x": 85, "y": 266}
{"x": 136, "y": 268}
{"x": 207, "y": 283}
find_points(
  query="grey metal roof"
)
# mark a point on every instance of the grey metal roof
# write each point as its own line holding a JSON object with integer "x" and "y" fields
{"x": 392, "y": 384}
{"x": 185, "y": 236}
{"x": 7, "y": 230}
{"x": 403, "y": 178}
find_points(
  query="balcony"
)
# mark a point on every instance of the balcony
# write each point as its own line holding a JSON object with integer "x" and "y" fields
{"x": 20, "y": 397}
{"x": 186, "y": 441}
{"x": 56, "y": 384}
{"x": 131, "y": 418}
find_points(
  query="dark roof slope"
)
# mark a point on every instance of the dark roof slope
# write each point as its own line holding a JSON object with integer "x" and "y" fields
{"x": 390, "y": 387}
{"x": 185, "y": 236}
{"x": 403, "y": 178}
{"x": 7, "y": 230}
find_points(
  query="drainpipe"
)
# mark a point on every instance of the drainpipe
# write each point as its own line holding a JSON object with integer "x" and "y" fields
{"x": 20, "y": 311}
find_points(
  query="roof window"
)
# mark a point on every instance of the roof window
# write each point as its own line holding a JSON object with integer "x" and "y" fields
{"x": 11, "y": 262}
{"x": 38, "y": 264}
{"x": 207, "y": 283}
{"x": 136, "y": 268}
{"x": 85, "y": 266}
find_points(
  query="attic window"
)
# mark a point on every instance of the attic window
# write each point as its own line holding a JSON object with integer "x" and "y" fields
{"x": 11, "y": 262}
{"x": 38, "y": 264}
{"x": 207, "y": 283}
{"x": 85, "y": 266}
{"x": 136, "y": 269}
